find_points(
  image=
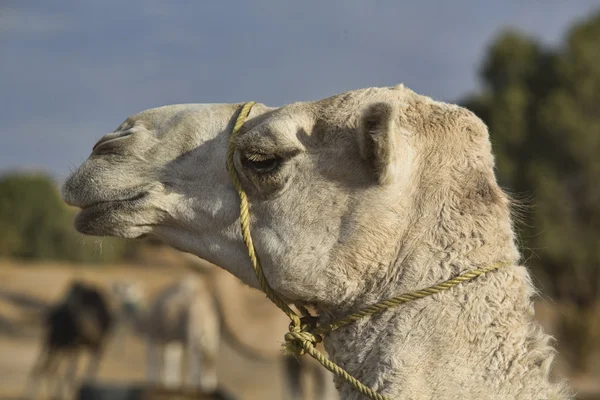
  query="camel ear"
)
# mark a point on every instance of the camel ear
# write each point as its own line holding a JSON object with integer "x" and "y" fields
{"x": 378, "y": 141}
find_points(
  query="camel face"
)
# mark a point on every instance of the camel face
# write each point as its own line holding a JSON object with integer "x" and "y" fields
{"x": 133, "y": 177}
{"x": 337, "y": 187}
{"x": 161, "y": 172}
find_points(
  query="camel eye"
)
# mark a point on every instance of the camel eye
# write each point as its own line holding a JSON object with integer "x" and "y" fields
{"x": 260, "y": 163}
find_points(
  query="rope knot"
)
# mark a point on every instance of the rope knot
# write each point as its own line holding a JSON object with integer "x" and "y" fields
{"x": 300, "y": 338}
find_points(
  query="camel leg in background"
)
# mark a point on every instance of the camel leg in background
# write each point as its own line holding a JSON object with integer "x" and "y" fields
{"x": 202, "y": 347}
{"x": 154, "y": 361}
{"x": 92, "y": 368}
{"x": 120, "y": 339}
{"x": 66, "y": 384}
{"x": 201, "y": 371}
{"x": 44, "y": 369}
{"x": 293, "y": 389}
{"x": 53, "y": 376}
{"x": 34, "y": 379}
{"x": 173, "y": 357}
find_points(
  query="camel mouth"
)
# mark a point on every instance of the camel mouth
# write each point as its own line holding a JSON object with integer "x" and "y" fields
{"x": 114, "y": 218}
{"x": 78, "y": 192}
{"x": 133, "y": 200}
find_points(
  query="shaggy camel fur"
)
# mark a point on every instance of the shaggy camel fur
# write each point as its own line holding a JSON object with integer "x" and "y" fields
{"x": 354, "y": 199}
{"x": 188, "y": 315}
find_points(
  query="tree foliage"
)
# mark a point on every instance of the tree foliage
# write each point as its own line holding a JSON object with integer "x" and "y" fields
{"x": 542, "y": 106}
{"x": 36, "y": 224}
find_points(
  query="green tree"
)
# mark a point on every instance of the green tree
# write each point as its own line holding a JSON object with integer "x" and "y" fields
{"x": 36, "y": 224}
{"x": 542, "y": 107}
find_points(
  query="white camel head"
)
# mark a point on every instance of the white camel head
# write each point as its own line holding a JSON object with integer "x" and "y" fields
{"x": 129, "y": 297}
{"x": 347, "y": 194}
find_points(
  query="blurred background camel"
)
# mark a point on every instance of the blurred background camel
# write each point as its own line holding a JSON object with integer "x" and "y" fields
{"x": 186, "y": 321}
{"x": 182, "y": 326}
{"x": 81, "y": 321}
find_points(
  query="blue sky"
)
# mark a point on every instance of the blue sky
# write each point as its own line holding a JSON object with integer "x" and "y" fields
{"x": 71, "y": 71}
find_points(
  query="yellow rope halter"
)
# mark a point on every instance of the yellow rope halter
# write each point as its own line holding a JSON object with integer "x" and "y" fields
{"x": 303, "y": 333}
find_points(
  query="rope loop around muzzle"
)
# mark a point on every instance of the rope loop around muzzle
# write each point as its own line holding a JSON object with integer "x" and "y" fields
{"x": 304, "y": 333}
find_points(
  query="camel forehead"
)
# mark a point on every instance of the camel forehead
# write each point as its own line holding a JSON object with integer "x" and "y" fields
{"x": 283, "y": 121}
{"x": 353, "y": 99}
{"x": 166, "y": 117}
{"x": 330, "y": 107}
{"x": 338, "y": 110}
{"x": 345, "y": 109}
{"x": 417, "y": 114}
{"x": 342, "y": 109}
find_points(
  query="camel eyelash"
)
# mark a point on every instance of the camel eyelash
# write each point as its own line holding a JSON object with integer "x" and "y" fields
{"x": 255, "y": 157}
{"x": 261, "y": 164}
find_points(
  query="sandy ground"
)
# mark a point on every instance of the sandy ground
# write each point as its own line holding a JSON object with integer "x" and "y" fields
{"x": 26, "y": 289}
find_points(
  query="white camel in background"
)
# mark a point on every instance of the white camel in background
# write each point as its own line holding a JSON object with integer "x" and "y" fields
{"x": 354, "y": 199}
{"x": 185, "y": 322}
{"x": 181, "y": 330}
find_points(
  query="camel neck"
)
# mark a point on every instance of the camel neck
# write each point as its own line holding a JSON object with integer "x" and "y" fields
{"x": 468, "y": 342}
{"x": 137, "y": 317}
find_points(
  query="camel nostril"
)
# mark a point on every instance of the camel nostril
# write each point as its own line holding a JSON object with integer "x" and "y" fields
{"x": 111, "y": 137}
